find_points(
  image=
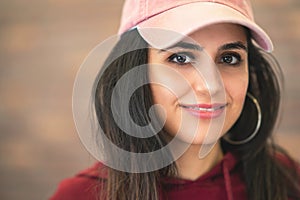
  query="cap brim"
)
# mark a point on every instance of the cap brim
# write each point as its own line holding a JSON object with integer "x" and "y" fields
{"x": 183, "y": 20}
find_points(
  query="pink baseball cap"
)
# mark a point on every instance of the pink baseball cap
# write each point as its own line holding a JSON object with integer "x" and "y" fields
{"x": 182, "y": 17}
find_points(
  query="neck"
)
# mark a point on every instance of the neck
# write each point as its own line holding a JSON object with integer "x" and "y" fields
{"x": 189, "y": 165}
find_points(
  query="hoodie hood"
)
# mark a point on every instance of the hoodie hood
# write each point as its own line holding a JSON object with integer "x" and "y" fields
{"x": 223, "y": 181}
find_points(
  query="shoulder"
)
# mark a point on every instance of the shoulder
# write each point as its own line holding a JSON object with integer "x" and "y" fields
{"x": 286, "y": 161}
{"x": 288, "y": 166}
{"x": 84, "y": 185}
{"x": 290, "y": 169}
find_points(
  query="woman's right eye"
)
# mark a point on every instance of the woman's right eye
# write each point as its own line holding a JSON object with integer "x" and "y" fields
{"x": 181, "y": 58}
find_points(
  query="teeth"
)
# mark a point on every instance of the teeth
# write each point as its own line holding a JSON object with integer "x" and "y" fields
{"x": 205, "y": 109}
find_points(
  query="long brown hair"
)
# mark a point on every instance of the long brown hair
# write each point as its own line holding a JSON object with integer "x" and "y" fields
{"x": 266, "y": 178}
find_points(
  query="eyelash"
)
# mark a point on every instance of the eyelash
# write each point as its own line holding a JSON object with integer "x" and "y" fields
{"x": 186, "y": 55}
{"x": 233, "y": 56}
{"x": 188, "y": 58}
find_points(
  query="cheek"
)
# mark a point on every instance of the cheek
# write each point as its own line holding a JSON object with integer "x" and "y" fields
{"x": 164, "y": 100}
{"x": 237, "y": 89}
{"x": 165, "y": 108}
{"x": 236, "y": 86}
{"x": 161, "y": 94}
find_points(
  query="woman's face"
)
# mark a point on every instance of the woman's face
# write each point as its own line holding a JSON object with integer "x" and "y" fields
{"x": 201, "y": 83}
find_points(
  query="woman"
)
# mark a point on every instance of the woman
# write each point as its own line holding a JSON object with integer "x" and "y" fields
{"x": 204, "y": 63}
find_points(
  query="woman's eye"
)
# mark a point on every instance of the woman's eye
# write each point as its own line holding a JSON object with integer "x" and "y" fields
{"x": 181, "y": 58}
{"x": 231, "y": 59}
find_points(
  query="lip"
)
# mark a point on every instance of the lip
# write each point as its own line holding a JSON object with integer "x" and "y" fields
{"x": 205, "y": 111}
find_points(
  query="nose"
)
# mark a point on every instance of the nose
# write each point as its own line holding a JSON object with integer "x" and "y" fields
{"x": 207, "y": 79}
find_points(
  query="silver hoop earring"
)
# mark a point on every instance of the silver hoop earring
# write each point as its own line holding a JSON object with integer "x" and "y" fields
{"x": 234, "y": 142}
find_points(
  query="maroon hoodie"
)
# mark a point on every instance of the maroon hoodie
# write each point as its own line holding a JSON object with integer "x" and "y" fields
{"x": 223, "y": 182}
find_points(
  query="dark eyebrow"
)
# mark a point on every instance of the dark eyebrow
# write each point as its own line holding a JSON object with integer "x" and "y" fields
{"x": 184, "y": 45}
{"x": 234, "y": 45}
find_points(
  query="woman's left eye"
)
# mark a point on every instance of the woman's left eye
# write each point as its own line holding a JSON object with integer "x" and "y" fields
{"x": 181, "y": 58}
{"x": 231, "y": 59}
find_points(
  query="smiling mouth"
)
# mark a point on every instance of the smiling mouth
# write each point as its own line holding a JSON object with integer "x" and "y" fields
{"x": 205, "y": 108}
{"x": 205, "y": 111}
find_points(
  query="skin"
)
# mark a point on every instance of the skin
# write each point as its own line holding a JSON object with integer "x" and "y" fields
{"x": 214, "y": 72}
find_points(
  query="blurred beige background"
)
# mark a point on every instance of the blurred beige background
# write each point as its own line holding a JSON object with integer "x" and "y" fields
{"x": 43, "y": 43}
